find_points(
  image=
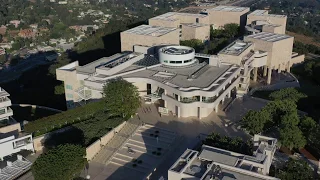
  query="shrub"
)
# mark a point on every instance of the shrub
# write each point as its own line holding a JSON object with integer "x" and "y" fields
{"x": 62, "y": 162}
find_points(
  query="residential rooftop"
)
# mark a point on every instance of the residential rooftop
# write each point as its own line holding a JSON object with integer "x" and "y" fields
{"x": 269, "y": 37}
{"x": 228, "y": 8}
{"x": 148, "y": 30}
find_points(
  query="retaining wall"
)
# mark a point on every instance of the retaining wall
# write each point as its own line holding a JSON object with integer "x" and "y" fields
{"x": 95, "y": 147}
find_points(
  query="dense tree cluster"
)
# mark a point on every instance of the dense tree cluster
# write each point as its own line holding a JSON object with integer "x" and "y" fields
{"x": 302, "y": 48}
{"x": 228, "y": 143}
{"x": 64, "y": 162}
{"x": 280, "y": 115}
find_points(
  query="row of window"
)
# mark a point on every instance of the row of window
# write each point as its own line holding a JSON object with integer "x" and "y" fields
{"x": 177, "y": 62}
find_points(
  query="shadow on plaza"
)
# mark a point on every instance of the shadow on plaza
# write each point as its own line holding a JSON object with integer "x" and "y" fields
{"x": 189, "y": 130}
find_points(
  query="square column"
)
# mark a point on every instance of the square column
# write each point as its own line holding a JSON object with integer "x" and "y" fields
{"x": 216, "y": 108}
{"x": 229, "y": 94}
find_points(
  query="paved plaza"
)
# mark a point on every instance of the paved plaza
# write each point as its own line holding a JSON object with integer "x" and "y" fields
{"x": 134, "y": 142}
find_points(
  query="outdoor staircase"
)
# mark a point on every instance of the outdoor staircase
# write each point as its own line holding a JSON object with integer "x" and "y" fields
{"x": 115, "y": 143}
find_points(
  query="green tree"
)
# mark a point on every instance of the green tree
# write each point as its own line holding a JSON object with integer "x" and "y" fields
{"x": 59, "y": 89}
{"x": 287, "y": 94}
{"x": 194, "y": 43}
{"x": 61, "y": 61}
{"x": 296, "y": 169}
{"x": 121, "y": 98}
{"x": 307, "y": 124}
{"x": 231, "y": 30}
{"x": 254, "y": 121}
{"x": 292, "y": 137}
{"x": 62, "y": 162}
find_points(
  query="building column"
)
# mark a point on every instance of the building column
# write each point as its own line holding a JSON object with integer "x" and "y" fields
{"x": 255, "y": 75}
{"x": 216, "y": 108}
{"x": 288, "y": 67}
{"x": 229, "y": 94}
{"x": 279, "y": 68}
{"x": 265, "y": 70}
{"x": 222, "y": 101}
{"x": 269, "y": 75}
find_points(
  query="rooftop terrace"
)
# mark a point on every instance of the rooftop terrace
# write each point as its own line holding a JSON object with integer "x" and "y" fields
{"x": 148, "y": 30}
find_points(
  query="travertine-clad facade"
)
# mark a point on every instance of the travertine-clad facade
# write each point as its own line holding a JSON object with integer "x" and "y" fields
{"x": 263, "y": 18}
{"x": 221, "y": 15}
{"x": 146, "y": 35}
{"x": 195, "y": 31}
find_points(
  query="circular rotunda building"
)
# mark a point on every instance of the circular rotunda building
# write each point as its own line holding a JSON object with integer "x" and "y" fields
{"x": 176, "y": 55}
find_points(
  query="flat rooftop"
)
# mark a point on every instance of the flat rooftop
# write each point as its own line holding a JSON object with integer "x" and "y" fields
{"x": 196, "y": 76}
{"x": 195, "y": 25}
{"x": 147, "y": 30}
{"x": 218, "y": 163}
{"x": 229, "y": 8}
{"x": 235, "y": 48}
{"x": 173, "y": 16}
{"x": 110, "y": 62}
{"x": 265, "y": 13}
{"x": 269, "y": 37}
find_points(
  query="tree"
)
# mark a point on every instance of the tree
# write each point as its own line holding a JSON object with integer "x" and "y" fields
{"x": 254, "y": 121}
{"x": 59, "y": 89}
{"x": 231, "y": 30}
{"x": 62, "y": 162}
{"x": 296, "y": 169}
{"x": 287, "y": 94}
{"x": 61, "y": 61}
{"x": 292, "y": 137}
{"x": 194, "y": 43}
{"x": 121, "y": 98}
{"x": 307, "y": 124}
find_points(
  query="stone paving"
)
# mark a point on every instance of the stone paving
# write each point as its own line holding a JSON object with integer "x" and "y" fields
{"x": 141, "y": 153}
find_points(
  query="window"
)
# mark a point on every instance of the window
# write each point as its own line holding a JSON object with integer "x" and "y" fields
{"x": 165, "y": 61}
{"x": 69, "y": 86}
{"x": 2, "y": 111}
{"x": 186, "y": 61}
{"x": 69, "y": 96}
{"x": 197, "y": 20}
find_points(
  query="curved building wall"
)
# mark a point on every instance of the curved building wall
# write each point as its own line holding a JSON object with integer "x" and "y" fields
{"x": 176, "y": 59}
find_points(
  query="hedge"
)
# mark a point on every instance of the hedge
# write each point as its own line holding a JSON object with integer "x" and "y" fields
{"x": 67, "y": 118}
